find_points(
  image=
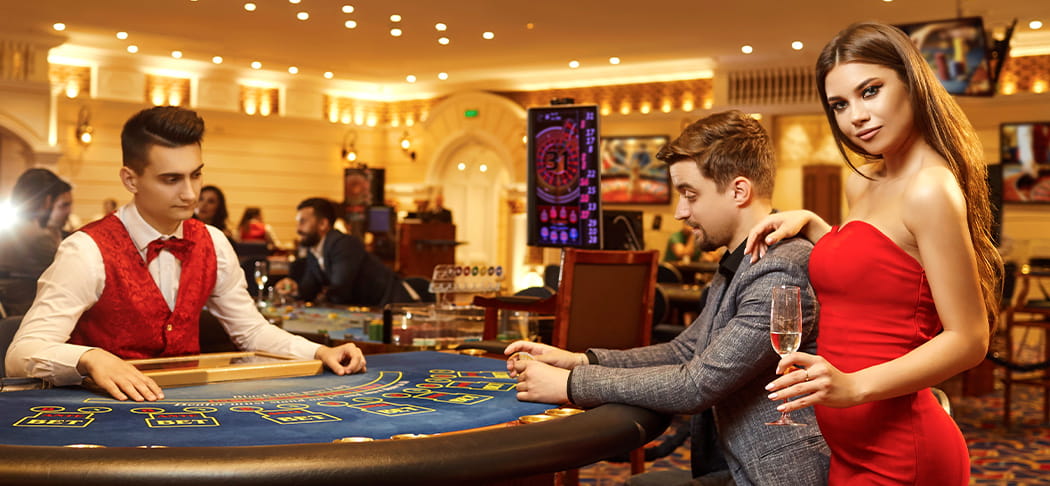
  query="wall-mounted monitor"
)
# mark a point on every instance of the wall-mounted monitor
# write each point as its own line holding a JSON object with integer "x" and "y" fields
{"x": 1024, "y": 149}
{"x": 631, "y": 174}
{"x": 957, "y": 50}
{"x": 564, "y": 188}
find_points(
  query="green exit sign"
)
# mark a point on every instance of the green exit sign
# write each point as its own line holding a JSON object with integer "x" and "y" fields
{"x": 470, "y": 113}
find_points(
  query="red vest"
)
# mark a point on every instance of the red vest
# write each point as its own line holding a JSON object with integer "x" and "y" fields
{"x": 131, "y": 318}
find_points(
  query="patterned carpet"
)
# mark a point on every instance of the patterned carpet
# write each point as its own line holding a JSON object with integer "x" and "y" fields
{"x": 1019, "y": 456}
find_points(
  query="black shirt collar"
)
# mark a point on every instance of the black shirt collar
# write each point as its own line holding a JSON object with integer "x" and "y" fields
{"x": 731, "y": 261}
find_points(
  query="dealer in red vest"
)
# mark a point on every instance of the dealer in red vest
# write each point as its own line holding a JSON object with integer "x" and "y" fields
{"x": 132, "y": 285}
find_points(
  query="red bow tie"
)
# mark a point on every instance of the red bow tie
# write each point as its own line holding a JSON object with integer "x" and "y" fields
{"x": 177, "y": 246}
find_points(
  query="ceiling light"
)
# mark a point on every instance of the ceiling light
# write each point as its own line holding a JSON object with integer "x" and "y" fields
{"x": 797, "y": 45}
{"x": 176, "y": 54}
{"x": 133, "y": 48}
{"x": 1035, "y": 25}
{"x": 59, "y": 26}
{"x": 530, "y": 26}
{"x": 442, "y": 76}
{"x": 293, "y": 70}
{"x": 443, "y": 41}
{"x": 122, "y": 35}
{"x": 217, "y": 59}
{"x": 294, "y": 2}
{"x": 249, "y": 7}
{"x": 614, "y": 60}
{"x": 395, "y": 18}
{"x": 302, "y": 15}
{"x": 440, "y": 27}
{"x": 329, "y": 75}
{"x": 256, "y": 65}
{"x": 487, "y": 35}
{"x": 483, "y": 167}
{"x": 395, "y": 32}
{"x": 746, "y": 49}
{"x": 574, "y": 64}
{"x": 348, "y": 9}
{"x": 461, "y": 166}
{"x": 350, "y": 24}
{"x": 411, "y": 78}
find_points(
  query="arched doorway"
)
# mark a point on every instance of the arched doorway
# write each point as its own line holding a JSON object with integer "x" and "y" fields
{"x": 472, "y": 178}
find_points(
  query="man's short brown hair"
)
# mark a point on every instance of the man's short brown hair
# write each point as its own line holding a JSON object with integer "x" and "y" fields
{"x": 167, "y": 126}
{"x": 726, "y": 145}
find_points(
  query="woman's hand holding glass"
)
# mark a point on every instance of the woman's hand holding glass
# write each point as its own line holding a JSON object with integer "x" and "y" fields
{"x": 785, "y": 330}
{"x": 820, "y": 382}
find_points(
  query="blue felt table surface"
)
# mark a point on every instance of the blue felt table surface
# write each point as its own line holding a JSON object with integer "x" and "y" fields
{"x": 419, "y": 393}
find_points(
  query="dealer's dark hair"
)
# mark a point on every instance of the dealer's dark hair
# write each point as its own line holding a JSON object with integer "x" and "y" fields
{"x": 167, "y": 126}
{"x": 322, "y": 208}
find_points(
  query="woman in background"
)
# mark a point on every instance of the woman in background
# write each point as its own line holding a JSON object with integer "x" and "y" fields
{"x": 211, "y": 209}
{"x": 253, "y": 229}
{"x": 908, "y": 285}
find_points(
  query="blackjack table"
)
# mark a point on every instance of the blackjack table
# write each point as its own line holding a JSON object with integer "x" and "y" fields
{"x": 411, "y": 418}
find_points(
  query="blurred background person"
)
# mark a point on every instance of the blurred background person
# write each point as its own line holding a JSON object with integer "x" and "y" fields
{"x": 108, "y": 206}
{"x": 252, "y": 228}
{"x": 27, "y": 247}
{"x": 211, "y": 209}
{"x": 62, "y": 221}
{"x": 681, "y": 246}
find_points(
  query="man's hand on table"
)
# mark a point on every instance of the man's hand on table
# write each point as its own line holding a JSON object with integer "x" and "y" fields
{"x": 119, "y": 378}
{"x": 343, "y": 359}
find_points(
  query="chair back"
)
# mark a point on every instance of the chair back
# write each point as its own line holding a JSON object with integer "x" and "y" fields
{"x": 605, "y": 299}
{"x": 8, "y": 327}
{"x": 667, "y": 273}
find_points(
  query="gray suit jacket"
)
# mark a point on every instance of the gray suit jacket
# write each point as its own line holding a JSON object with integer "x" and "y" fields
{"x": 722, "y": 363}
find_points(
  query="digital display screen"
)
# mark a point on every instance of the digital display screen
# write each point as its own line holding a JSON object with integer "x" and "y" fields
{"x": 564, "y": 191}
{"x": 957, "y": 52}
{"x": 1025, "y": 158}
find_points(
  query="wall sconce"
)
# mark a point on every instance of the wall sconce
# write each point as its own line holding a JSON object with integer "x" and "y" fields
{"x": 85, "y": 133}
{"x": 349, "y": 150}
{"x": 406, "y": 146}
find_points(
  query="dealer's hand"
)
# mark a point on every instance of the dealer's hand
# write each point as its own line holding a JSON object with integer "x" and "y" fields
{"x": 119, "y": 378}
{"x": 343, "y": 359}
{"x": 541, "y": 382}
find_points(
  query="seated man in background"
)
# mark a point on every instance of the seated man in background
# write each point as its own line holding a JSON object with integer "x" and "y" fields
{"x": 723, "y": 169}
{"x": 337, "y": 268}
{"x": 28, "y": 246}
{"x": 132, "y": 285}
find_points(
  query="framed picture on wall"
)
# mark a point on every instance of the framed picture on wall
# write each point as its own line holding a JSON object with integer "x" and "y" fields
{"x": 362, "y": 187}
{"x": 631, "y": 174}
{"x": 1025, "y": 159}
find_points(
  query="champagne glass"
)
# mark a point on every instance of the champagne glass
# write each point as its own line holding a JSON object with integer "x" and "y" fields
{"x": 262, "y": 274}
{"x": 785, "y": 330}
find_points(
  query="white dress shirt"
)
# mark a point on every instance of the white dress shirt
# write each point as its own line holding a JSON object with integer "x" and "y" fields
{"x": 74, "y": 282}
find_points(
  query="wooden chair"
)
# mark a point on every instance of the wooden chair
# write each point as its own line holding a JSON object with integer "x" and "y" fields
{"x": 604, "y": 300}
{"x": 1024, "y": 316}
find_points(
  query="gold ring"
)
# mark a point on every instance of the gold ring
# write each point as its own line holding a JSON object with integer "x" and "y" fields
{"x": 807, "y": 374}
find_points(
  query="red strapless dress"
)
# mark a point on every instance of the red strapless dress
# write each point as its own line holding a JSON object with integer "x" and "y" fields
{"x": 876, "y": 305}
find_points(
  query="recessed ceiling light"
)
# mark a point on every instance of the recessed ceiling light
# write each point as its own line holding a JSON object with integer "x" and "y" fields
{"x": 395, "y": 18}
{"x": 348, "y": 9}
{"x": 746, "y": 49}
{"x": 530, "y": 26}
{"x": 133, "y": 48}
{"x": 614, "y": 60}
{"x": 293, "y": 70}
{"x": 395, "y": 32}
{"x": 59, "y": 26}
{"x": 574, "y": 64}
{"x": 1035, "y": 25}
{"x": 256, "y": 65}
{"x": 294, "y": 2}
{"x": 329, "y": 75}
{"x": 122, "y": 35}
{"x": 461, "y": 166}
{"x": 797, "y": 45}
{"x": 350, "y": 24}
{"x": 440, "y": 27}
{"x": 302, "y": 15}
{"x": 411, "y": 78}
{"x": 442, "y": 76}
{"x": 487, "y": 35}
{"x": 176, "y": 54}
{"x": 443, "y": 41}
{"x": 483, "y": 167}
{"x": 217, "y": 59}
{"x": 249, "y": 7}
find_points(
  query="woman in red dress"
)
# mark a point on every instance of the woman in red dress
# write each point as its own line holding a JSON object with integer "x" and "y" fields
{"x": 909, "y": 284}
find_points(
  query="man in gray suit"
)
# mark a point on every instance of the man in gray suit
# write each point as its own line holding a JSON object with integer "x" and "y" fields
{"x": 723, "y": 169}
